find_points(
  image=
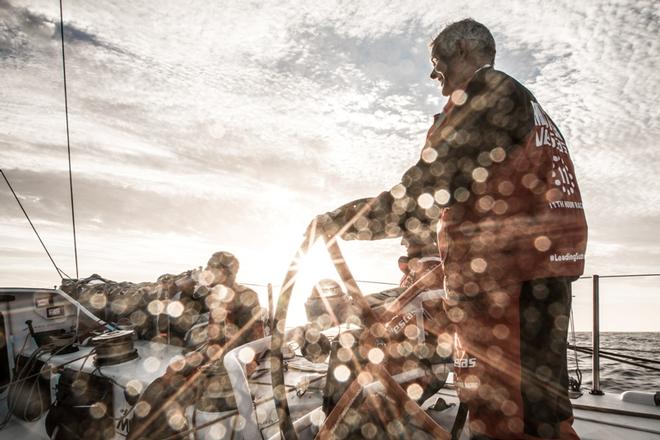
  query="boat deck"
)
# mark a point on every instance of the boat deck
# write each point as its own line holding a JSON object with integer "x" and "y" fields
{"x": 605, "y": 417}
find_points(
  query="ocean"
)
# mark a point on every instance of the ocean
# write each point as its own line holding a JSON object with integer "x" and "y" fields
{"x": 615, "y": 376}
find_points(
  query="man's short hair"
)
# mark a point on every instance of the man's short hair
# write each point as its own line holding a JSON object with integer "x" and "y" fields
{"x": 224, "y": 260}
{"x": 479, "y": 38}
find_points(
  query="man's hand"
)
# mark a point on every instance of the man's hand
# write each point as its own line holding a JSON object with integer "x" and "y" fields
{"x": 330, "y": 223}
{"x": 322, "y": 225}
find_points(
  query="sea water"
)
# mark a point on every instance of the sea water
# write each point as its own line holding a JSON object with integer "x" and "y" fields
{"x": 616, "y": 377}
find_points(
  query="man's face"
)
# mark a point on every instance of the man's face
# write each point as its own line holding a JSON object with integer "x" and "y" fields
{"x": 442, "y": 73}
{"x": 445, "y": 71}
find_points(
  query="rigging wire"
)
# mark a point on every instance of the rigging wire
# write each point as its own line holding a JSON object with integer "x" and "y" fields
{"x": 68, "y": 143}
{"x": 635, "y": 275}
{"x": 60, "y": 272}
{"x": 575, "y": 383}
{"x": 627, "y": 356}
{"x": 589, "y": 350}
{"x": 620, "y": 358}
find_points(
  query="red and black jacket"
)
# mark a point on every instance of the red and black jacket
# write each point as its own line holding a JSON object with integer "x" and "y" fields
{"x": 496, "y": 171}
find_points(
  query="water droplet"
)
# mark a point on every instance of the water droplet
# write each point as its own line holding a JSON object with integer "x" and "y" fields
{"x": 501, "y": 331}
{"x": 459, "y": 97}
{"x": 344, "y": 354}
{"x": 98, "y": 410}
{"x": 376, "y": 355}
{"x": 217, "y": 431}
{"x": 425, "y": 201}
{"x": 480, "y": 174}
{"x": 155, "y": 307}
{"x": 317, "y": 418}
{"x": 478, "y": 265}
{"x": 151, "y": 364}
{"x": 542, "y": 243}
{"x": 177, "y": 363}
{"x": 246, "y": 355}
{"x": 429, "y": 154}
{"x": 342, "y": 373}
{"x": 346, "y": 340}
{"x": 98, "y": 300}
{"x": 176, "y": 421}
{"x": 497, "y": 154}
{"x": 441, "y": 196}
{"x": 134, "y": 387}
{"x": 142, "y": 409}
{"x": 414, "y": 391}
{"x": 369, "y": 430}
{"x": 175, "y": 309}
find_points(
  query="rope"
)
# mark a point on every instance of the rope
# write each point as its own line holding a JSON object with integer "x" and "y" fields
{"x": 384, "y": 283}
{"x": 49, "y": 370}
{"x": 68, "y": 143}
{"x": 634, "y": 275}
{"x": 634, "y": 358}
{"x": 625, "y": 356}
{"x": 25, "y": 369}
{"x": 377, "y": 282}
{"x": 575, "y": 383}
{"x": 621, "y": 358}
{"x": 634, "y": 350}
{"x": 254, "y": 284}
{"x": 60, "y": 272}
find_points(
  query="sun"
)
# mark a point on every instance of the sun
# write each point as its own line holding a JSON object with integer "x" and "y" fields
{"x": 313, "y": 267}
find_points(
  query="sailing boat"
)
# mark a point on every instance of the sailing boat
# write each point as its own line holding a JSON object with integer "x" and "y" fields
{"x": 68, "y": 372}
{"x": 276, "y": 385}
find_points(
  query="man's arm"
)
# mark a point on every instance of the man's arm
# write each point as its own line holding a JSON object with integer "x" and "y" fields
{"x": 244, "y": 316}
{"x": 366, "y": 219}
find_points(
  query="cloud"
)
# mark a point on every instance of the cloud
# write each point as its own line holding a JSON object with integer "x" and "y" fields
{"x": 237, "y": 123}
{"x": 21, "y": 28}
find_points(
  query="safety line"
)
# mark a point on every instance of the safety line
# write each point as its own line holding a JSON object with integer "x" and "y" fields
{"x": 60, "y": 272}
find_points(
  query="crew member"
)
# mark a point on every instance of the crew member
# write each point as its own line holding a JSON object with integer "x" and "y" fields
{"x": 512, "y": 235}
{"x": 235, "y": 318}
{"x": 235, "y": 314}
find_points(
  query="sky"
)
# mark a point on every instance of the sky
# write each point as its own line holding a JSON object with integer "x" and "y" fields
{"x": 204, "y": 126}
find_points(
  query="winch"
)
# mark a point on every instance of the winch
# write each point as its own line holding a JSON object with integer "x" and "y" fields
{"x": 114, "y": 347}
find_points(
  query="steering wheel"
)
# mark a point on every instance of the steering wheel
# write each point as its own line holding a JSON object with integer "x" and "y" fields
{"x": 369, "y": 318}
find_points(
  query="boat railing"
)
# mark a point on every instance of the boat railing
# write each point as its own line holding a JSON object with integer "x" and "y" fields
{"x": 595, "y": 335}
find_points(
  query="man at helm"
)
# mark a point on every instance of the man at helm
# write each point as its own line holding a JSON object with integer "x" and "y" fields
{"x": 235, "y": 314}
{"x": 496, "y": 175}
